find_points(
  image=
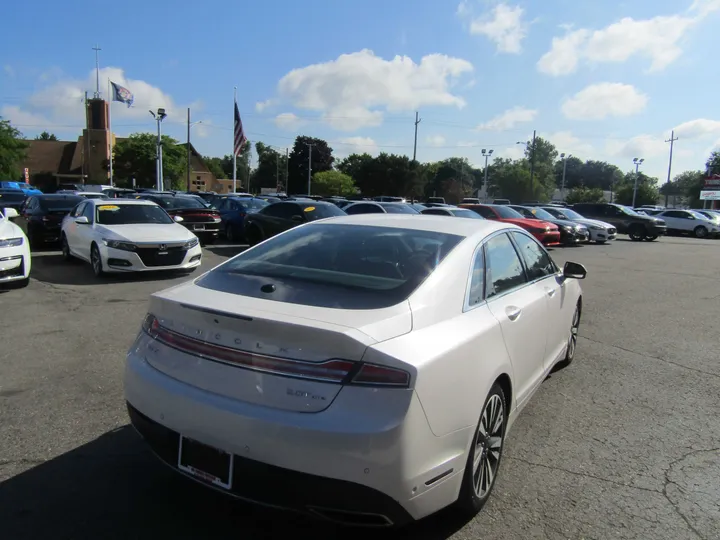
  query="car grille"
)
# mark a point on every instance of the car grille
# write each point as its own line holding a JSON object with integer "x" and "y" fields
{"x": 151, "y": 256}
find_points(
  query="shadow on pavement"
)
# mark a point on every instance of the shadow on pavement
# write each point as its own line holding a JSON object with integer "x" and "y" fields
{"x": 226, "y": 250}
{"x": 52, "y": 268}
{"x": 113, "y": 487}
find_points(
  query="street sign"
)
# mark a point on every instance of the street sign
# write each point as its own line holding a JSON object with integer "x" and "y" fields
{"x": 710, "y": 195}
{"x": 27, "y": 175}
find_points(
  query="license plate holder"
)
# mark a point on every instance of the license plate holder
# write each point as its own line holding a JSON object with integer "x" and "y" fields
{"x": 199, "y": 227}
{"x": 206, "y": 462}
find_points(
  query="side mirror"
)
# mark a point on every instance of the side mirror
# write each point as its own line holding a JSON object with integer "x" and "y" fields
{"x": 178, "y": 219}
{"x": 82, "y": 220}
{"x": 574, "y": 270}
{"x": 10, "y": 213}
{"x": 299, "y": 219}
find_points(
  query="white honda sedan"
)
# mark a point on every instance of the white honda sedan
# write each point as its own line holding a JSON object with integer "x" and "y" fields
{"x": 127, "y": 235}
{"x": 365, "y": 369}
{"x": 15, "y": 260}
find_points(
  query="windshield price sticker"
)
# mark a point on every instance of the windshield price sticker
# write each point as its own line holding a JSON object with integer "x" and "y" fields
{"x": 108, "y": 208}
{"x": 310, "y": 209}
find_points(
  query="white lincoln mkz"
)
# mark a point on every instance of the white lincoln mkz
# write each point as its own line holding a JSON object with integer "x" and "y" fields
{"x": 365, "y": 368}
{"x": 127, "y": 235}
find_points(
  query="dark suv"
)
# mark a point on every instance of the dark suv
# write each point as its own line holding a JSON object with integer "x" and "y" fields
{"x": 625, "y": 219}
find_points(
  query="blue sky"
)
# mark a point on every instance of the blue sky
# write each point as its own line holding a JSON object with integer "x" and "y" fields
{"x": 601, "y": 81}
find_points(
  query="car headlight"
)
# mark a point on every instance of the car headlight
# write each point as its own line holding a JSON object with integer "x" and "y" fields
{"x": 119, "y": 244}
{"x": 567, "y": 228}
{"x": 11, "y": 242}
{"x": 191, "y": 243}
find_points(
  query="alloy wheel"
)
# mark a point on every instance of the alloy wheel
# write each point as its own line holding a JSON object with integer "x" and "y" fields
{"x": 572, "y": 342}
{"x": 701, "y": 232}
{"x": 488, "y": 446}
{"x": 95, "y": 261}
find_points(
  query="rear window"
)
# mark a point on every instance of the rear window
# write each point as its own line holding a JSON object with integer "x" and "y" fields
{"x": 252, "y": 204}
{"x": 174, "y": 203}
{"x": 335, "y": 266}
{"x": 464, "y": 212}
{"x": 398, "y": 208}
{"x": 507, "y": 213}
{"x": 60, "y": 203}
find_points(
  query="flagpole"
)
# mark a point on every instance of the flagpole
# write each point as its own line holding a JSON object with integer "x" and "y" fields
{"x": 233, "y": 147}
{"x": 110, "y": 133}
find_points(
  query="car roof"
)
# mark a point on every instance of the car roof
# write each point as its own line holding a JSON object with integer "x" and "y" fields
{"x": 422, "y": 222}
{"x": 117, "y": 202}
{"x": 56, "y": 196}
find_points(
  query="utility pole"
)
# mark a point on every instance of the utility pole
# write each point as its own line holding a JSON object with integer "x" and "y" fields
{"x": 417, "y": 121}
{"x": 287, "y": 169}
{"x": 97, "y": 49}
{"x": 277, "y": 171}
{"x": 188, "y": 150}
{"x": 310, "y": 147}
{"x": 532, "y": 166}
{"x": 485, "y": 181}
{"x": 672, "y": 139}
{"x": 562, "y": 185}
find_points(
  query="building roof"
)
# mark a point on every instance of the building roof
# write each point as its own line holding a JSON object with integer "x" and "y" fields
{"x": 54, "y": 157}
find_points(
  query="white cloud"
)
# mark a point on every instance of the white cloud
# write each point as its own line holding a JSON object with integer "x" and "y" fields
{"x": 657, "y": 38}
{"x": 354, "y": 90}
{"x": 436, "y": 140}
{"x": 24, "y": 119}
{"x": 260, "y": 106}
{"x": 359, "y": 145}
{"x": 567, "y": 143}
{"x": 509, "y": 119}
{"x": 695, "y": 129}
{"x": 10, "y": 71}
{"x": 288, "y": 121}
{"x": 641, "y": 146}
{"x": 601, "y": 100}
{"x": 504, "y": 26}
{"x": 59, "y": 105}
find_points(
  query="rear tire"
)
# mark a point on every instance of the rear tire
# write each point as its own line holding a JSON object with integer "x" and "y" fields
{"x": 636, "y": 233}
{"x": 572, "y": 340}
{"x": 651, "y": 238}
{"x": 229, "y": 234}
{"x": 485, "y": 454}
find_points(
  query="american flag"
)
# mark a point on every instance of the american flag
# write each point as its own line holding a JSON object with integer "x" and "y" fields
{"x": 240, "y": 138}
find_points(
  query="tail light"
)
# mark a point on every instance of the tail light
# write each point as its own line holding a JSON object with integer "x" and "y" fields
{"x": 336, "y": 371}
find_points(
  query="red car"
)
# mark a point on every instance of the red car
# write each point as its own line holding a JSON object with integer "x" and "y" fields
{"x": 545, "y": 232}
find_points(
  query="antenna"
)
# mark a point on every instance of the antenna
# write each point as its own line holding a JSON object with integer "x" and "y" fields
{"x": 97, "y": 49}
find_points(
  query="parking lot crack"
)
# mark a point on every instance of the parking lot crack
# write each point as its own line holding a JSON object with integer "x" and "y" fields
{"x": 645, "y": 355}
{"x": 583, "y": 474}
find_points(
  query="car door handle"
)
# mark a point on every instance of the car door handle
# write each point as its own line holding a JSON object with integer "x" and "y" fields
{"x": 550, "y": 292}
{"x": 512, "y": 312}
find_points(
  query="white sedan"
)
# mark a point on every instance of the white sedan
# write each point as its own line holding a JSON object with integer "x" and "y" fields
{"x": 15, "y": 261}
{"x": 128, "y": 236}
{"x": 365, "y": 369}
{"x": 600, "y": 231}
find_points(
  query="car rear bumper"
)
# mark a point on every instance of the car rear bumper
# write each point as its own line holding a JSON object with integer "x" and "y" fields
{"x": 338, "y": 462}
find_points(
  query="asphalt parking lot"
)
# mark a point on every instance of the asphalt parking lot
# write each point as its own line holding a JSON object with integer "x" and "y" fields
{"x": 624, "y": 444}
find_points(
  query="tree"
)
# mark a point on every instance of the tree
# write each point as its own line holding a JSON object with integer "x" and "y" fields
{"x": 539, "y": 159}
{"x": 573, "y": 172}
{"x": 647, "y": 191}
{"x": 452, "y": 175}
{"x": 223, "y": 167}
{"x": 712, "y": 165}
{"x": 509, "y": 179}
{"x": 322, "y": 160}
{"x": 45, "y": 136}
{"x": 134, "y": 157}
{"x": 270, "y": 172}
{"x": 331, "y": 183}
{"x": 584, "y": 195}
{"x": 600, "y": 174}
{"x": 13, "y": 150}
{"x": 214, "y": 165}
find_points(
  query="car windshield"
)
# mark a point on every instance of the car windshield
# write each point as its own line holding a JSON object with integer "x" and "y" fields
{"x": 398, "y": 208}
{"x": 11, "y": 197}
{"x": 698, "y": 215}
{"x": 336, "y": 265}
{"x": 570, "y": 214}
{"x": 321, "y": 211}
{"x": 252, "y": 204}
{"x": 174, "y": 203}
{"x": 60, "y": 204}
{"x": 627, "y": 210}
{"x": 507, "y": 213}
{"x": 128, "y": 214}
{"x": 539, "y": 213}
{"x": 464, "y": 212}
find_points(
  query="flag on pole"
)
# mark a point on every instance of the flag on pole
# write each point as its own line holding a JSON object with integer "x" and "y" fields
{"x": 240, "y": 138}
{"x": 122, "y": 94}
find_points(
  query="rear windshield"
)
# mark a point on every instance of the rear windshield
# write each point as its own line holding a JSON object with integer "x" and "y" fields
{"x": 173, "y": 203}
{"x": 335, "y": 266}
{"x": 398, "y": 208}
{"x": 464, "y": 212}
{"x": 252, "y": 204}
{"x": 60, "y": 203}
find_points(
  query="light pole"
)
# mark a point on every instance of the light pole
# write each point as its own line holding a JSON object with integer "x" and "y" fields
{"x": 485, "y": 186}
{"x": 189, "y": 125}
{"x": 159, "y": 117}
{"x": 637, "y": 162}
{"x": 562, "y": 185}
{"x": 310, "y": 147}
